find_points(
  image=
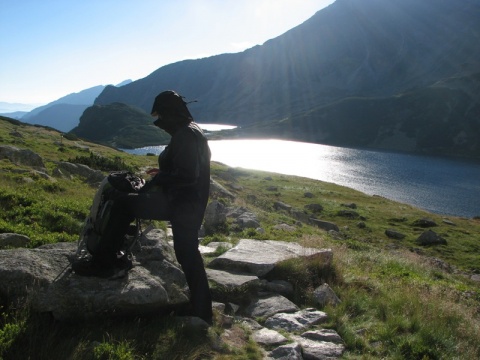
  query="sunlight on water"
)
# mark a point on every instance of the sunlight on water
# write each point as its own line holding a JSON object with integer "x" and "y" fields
{"x": 216, "y": 127}
{"x": 435, "y": 184}
{"x": 286, "y": 157}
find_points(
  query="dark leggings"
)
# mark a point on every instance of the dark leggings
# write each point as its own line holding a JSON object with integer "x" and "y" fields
{"x": 185, "y": 242}
{"x": 153, "y": 206}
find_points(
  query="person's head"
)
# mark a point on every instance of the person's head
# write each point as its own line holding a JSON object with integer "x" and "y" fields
{"x": 171, "y": 111}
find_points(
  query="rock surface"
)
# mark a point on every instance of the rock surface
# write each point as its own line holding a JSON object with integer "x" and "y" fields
{"x": 24, "y": 157}
{"x": 260, "y": 257}
{"x": 43, "y": 276}
{"x": 156, "y": 284}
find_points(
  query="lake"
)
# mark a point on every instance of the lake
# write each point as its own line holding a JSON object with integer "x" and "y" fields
{"x": 436, "y": 184}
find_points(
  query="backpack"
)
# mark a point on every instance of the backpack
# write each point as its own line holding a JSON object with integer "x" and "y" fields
{"x": 96, "y": 223}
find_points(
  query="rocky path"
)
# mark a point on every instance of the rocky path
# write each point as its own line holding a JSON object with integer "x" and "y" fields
{"x": 279, "y": 326}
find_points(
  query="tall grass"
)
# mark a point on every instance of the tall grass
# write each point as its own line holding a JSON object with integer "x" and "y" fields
{"x": 396, "y": 307}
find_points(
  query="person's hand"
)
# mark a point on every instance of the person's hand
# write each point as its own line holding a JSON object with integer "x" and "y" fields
{"x": 153, "y": 172}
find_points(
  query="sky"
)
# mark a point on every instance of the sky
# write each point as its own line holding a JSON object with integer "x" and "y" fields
{"x": 52, "y": 48}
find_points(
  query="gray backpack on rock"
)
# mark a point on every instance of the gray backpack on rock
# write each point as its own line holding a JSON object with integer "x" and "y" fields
{"x": 95, "y": 224}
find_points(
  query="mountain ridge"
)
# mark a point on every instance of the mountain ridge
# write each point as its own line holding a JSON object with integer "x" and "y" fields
{"x": 351, "y": 49}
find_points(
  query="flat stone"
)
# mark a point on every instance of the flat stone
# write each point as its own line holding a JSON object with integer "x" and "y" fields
{"x": 286, "y": 352}
{"x": 324, "y": 225}
{"x": 327, "y": 335}
{"x": 249, "y": 323}
{"x": 269, "y": 306}
{"x": 313, "y": 349}
{"x": 281, "y": 287}
{"x": 268, "y": 337}
{"x": 297, "y": 321}
{"x": 424, "y": 223}
{"x": 229, "y": 279}
{"x": 259, "y": 257}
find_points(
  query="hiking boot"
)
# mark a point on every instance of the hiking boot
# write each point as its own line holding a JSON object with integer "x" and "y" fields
{"x": 123, "y": 262}
{"x": 90, "y": 267}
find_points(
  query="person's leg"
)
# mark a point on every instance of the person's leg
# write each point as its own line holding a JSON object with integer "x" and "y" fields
{"x": 187, "y": 253}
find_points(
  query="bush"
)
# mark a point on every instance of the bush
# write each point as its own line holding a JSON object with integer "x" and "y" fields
{"x": 305, "y": 275}
{"x": 102, "y": 163}
{"x": 113, "y": 351}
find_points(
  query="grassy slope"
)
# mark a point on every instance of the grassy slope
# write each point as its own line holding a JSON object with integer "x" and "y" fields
{"x": 395, "y": 303}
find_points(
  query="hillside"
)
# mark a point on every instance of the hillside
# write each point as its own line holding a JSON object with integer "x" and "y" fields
{"x": 368, "y": 49}
{"x": 63, "y": 117}
{"x": 400, "y": 298}
{"x": 120, "y": 126}
{"x": 441, "y": 119}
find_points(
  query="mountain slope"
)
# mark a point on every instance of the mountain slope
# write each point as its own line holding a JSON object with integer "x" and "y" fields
{"x": 119, "y": 125}
{"x": 351, "y": 48}
{"x": 442, "y": 119}
{"x": 63, "y": 117}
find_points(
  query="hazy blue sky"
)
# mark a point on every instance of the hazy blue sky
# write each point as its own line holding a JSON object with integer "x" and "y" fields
{"x": 51, "y": 48}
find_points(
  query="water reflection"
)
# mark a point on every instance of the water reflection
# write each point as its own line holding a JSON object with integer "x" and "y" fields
{"x": 286, "y": 157}
{"x": 436, "y": 184}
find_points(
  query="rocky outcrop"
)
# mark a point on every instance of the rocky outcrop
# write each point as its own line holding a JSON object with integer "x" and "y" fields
{"x": 24, "y": 157}
{"x": 430, "y": 237}
{"x": 215, "y": 216}
{"x": 12, "y": 240}
{"x": 70, "y": 170}
{"x": 217, "y": 191}
{"x": 250, "y": 261}
{"x": 393, "y": 234}
{"x": 42, "y": 277}
{"x": 260, "y": 257}
{"x": 325, "y": 225}
{"x": 36, "y": 167}
{"x": 424, "y": 223}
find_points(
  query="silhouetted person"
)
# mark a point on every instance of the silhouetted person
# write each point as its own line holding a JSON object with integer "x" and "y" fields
{"x": 178, "y": 192}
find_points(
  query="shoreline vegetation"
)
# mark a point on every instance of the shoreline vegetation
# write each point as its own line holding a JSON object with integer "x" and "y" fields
{"x": 400, "y": 299}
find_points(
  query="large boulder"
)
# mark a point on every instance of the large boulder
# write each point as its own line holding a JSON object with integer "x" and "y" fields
{"x": 24, "y": 157}
{"x": 217, "y": 191}
{"x": 215, "y": 217}
{"x": 430, "y": 237}
{"x": 43, "y": 277}
{"x": 67, "y": 169}
{"x": 259, "y": 257}
{"x": 13, "y": 240}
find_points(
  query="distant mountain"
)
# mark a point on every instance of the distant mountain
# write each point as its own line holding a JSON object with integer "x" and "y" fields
{"x": 375, "y": 52}
{"x": 64, "y": 114}
{"x": 6, "y": 107}
{"x": 84, "y": 97}
{"x": 120, "y": 126}
{"x": 63, "y": 117}
{"x": 124, "y": 82}
{"x": 14, "y": 115}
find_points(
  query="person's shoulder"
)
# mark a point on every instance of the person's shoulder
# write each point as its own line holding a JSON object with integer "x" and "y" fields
{"x": 193, "y": 126}
{"x": 188, "y": 132}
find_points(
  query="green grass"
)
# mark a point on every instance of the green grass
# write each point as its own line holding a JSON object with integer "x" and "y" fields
{"x": 396, "y": 303}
